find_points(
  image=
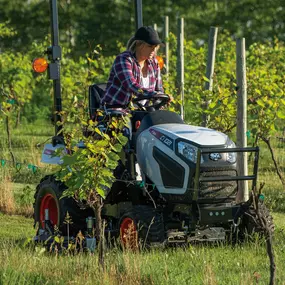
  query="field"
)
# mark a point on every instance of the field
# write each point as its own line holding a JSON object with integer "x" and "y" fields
{"x": 23, "y": 263}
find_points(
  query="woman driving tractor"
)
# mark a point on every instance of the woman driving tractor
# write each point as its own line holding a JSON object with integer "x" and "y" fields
{"x": 135, "y": 71}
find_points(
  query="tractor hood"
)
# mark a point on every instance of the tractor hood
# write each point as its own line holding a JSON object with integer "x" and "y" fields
{"x": 200, "y": 136}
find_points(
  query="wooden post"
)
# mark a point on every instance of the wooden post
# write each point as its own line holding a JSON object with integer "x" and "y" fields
{"x": 210, "y": 70}
{"x": 241, "y": 118}
{"x": 166, "y": 36}
{"x": 139, "y": 13}
{"x": 180, "y": 63}
{"x": 155, "y": 26}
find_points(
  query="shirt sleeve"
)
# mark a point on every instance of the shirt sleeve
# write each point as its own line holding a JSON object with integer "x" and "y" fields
{"x": 123, "y": 70}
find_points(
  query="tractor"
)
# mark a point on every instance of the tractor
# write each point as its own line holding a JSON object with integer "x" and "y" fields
{"x": 178, "y": 183}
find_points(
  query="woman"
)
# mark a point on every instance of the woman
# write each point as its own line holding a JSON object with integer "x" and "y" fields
{"x": 135, "y": 71}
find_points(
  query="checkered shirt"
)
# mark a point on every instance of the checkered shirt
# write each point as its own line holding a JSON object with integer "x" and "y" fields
{"x": 125, "y": 80}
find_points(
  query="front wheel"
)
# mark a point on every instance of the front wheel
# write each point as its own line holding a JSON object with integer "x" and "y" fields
{"x": 141, "y": 225}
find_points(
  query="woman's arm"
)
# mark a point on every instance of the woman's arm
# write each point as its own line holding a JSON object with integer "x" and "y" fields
{"x": 123, "y": 68}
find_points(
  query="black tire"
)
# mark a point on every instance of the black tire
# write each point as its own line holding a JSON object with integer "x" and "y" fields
{"x": 148, "y": 225}
{"x": 48, "y": 195}
{"x": 251, "y": 223}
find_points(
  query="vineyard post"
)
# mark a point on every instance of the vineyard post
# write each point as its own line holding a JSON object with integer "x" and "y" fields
{"x": 241, "y": 118}
{"x": 155, "y": 26}
{"x": 166, "y": 35}
{"x": 209, "y": 70}
{"x": 54, "y": 55}
{"x": 139, "y": 13}
{"x": 180, "y": 63}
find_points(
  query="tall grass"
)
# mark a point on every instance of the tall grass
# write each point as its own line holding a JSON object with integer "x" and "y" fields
{"x": 206, "y": 264}
{"x": 7, "y": 201}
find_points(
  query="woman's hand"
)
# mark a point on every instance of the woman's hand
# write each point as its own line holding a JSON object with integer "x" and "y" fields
{"x": 168, "y": 103}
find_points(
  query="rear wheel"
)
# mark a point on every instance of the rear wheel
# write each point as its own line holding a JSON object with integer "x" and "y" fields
{"x": 47, "y": 197}
{"x": 141, "y": 225}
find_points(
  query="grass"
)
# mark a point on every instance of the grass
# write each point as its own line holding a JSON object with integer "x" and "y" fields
{"x": 212, "y": 265}
{"x": 196, "y": 264}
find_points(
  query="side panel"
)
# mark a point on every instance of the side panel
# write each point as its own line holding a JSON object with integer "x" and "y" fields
{"x": 172, "y": 173}
{"x": 149, "y": 165}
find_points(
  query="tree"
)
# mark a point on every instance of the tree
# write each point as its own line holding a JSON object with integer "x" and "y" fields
{"x": 106, "y": 22}
{"x": 88, "y": 171}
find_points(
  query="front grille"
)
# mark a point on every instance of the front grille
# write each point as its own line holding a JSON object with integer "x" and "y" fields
{"x": 219, "y": 189}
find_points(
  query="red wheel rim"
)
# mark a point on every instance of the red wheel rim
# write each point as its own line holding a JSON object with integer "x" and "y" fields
{"x": 48, "y": 202}
{"x": 128, "y": 233}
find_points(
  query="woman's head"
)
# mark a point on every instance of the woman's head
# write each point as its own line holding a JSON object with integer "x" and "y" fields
{"x": 145, "y": 42}
{"x": 141, "y": 47}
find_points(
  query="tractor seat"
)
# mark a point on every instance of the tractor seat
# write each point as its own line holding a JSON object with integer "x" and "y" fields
{"x": 96, "y": 93}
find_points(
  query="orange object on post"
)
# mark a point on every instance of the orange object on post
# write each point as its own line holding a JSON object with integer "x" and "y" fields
{"x": 40, "y": 65}
{"x": 160, "y": 61}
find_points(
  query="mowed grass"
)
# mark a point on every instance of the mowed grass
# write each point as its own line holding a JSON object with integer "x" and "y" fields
{"x": 197, "y": 264}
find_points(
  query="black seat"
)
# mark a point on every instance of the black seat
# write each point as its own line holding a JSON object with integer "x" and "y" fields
{"x": 96, "y": 93}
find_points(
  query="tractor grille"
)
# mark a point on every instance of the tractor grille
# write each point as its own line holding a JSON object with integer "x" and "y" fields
{"x": 219, "y": 189}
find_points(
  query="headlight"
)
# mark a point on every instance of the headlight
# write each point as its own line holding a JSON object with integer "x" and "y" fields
{"x": 231, "y": 156}
{"x": 188, "y": 151}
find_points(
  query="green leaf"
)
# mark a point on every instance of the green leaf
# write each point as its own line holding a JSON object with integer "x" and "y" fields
{"x": 106, "y": 172}
{"x": 57, "y": 239}
{"x": 102, "y": 143}
{"x": 280, "y": 114}
{"x": 106, "y": 137}
{"x": 101, "y": 192}
{"x": 260, "y": 103}
{"x": 69, "y": 160}
{"x": 122, "y": 139}
{"x": 206, "y": 78}
{"x": 117, "y": 147}
{"x": 257, "y": 91}
{"x": 113, "y": 156}
{"x": 98, "y": 131}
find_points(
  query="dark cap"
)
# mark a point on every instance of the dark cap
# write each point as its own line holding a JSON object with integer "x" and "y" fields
{"x": 148, "y": 35}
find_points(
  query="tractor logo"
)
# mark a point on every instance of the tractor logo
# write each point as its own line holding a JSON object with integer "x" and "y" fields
{"x": 215, "y": 156}
{"x": 162, "y": 137}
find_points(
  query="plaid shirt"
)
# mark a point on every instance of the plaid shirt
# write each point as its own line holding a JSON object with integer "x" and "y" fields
{"x": 125, "y": 80}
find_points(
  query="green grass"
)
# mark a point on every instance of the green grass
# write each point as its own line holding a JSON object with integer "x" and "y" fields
{"x": 245, "y": 264}
{"x": 15, "y": 227}
{"x": 195, "y": 264}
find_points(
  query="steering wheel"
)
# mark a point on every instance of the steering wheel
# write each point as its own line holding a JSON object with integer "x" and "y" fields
{"x": 155, "y": 101}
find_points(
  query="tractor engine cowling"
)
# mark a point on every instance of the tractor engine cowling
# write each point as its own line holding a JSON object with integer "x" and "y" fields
{"x": 167, "y": 155}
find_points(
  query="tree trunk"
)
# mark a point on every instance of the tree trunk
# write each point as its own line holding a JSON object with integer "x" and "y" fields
{"x": 267, "y": 141}
{"x": 268, "y": 235}
{"x": 99, "y": 233}
{"x": 18, "y": 118}
{"x": 9, "y": 140}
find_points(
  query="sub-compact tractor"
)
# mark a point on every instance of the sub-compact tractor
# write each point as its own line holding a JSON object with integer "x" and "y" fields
{"x": 175, "y": 182}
